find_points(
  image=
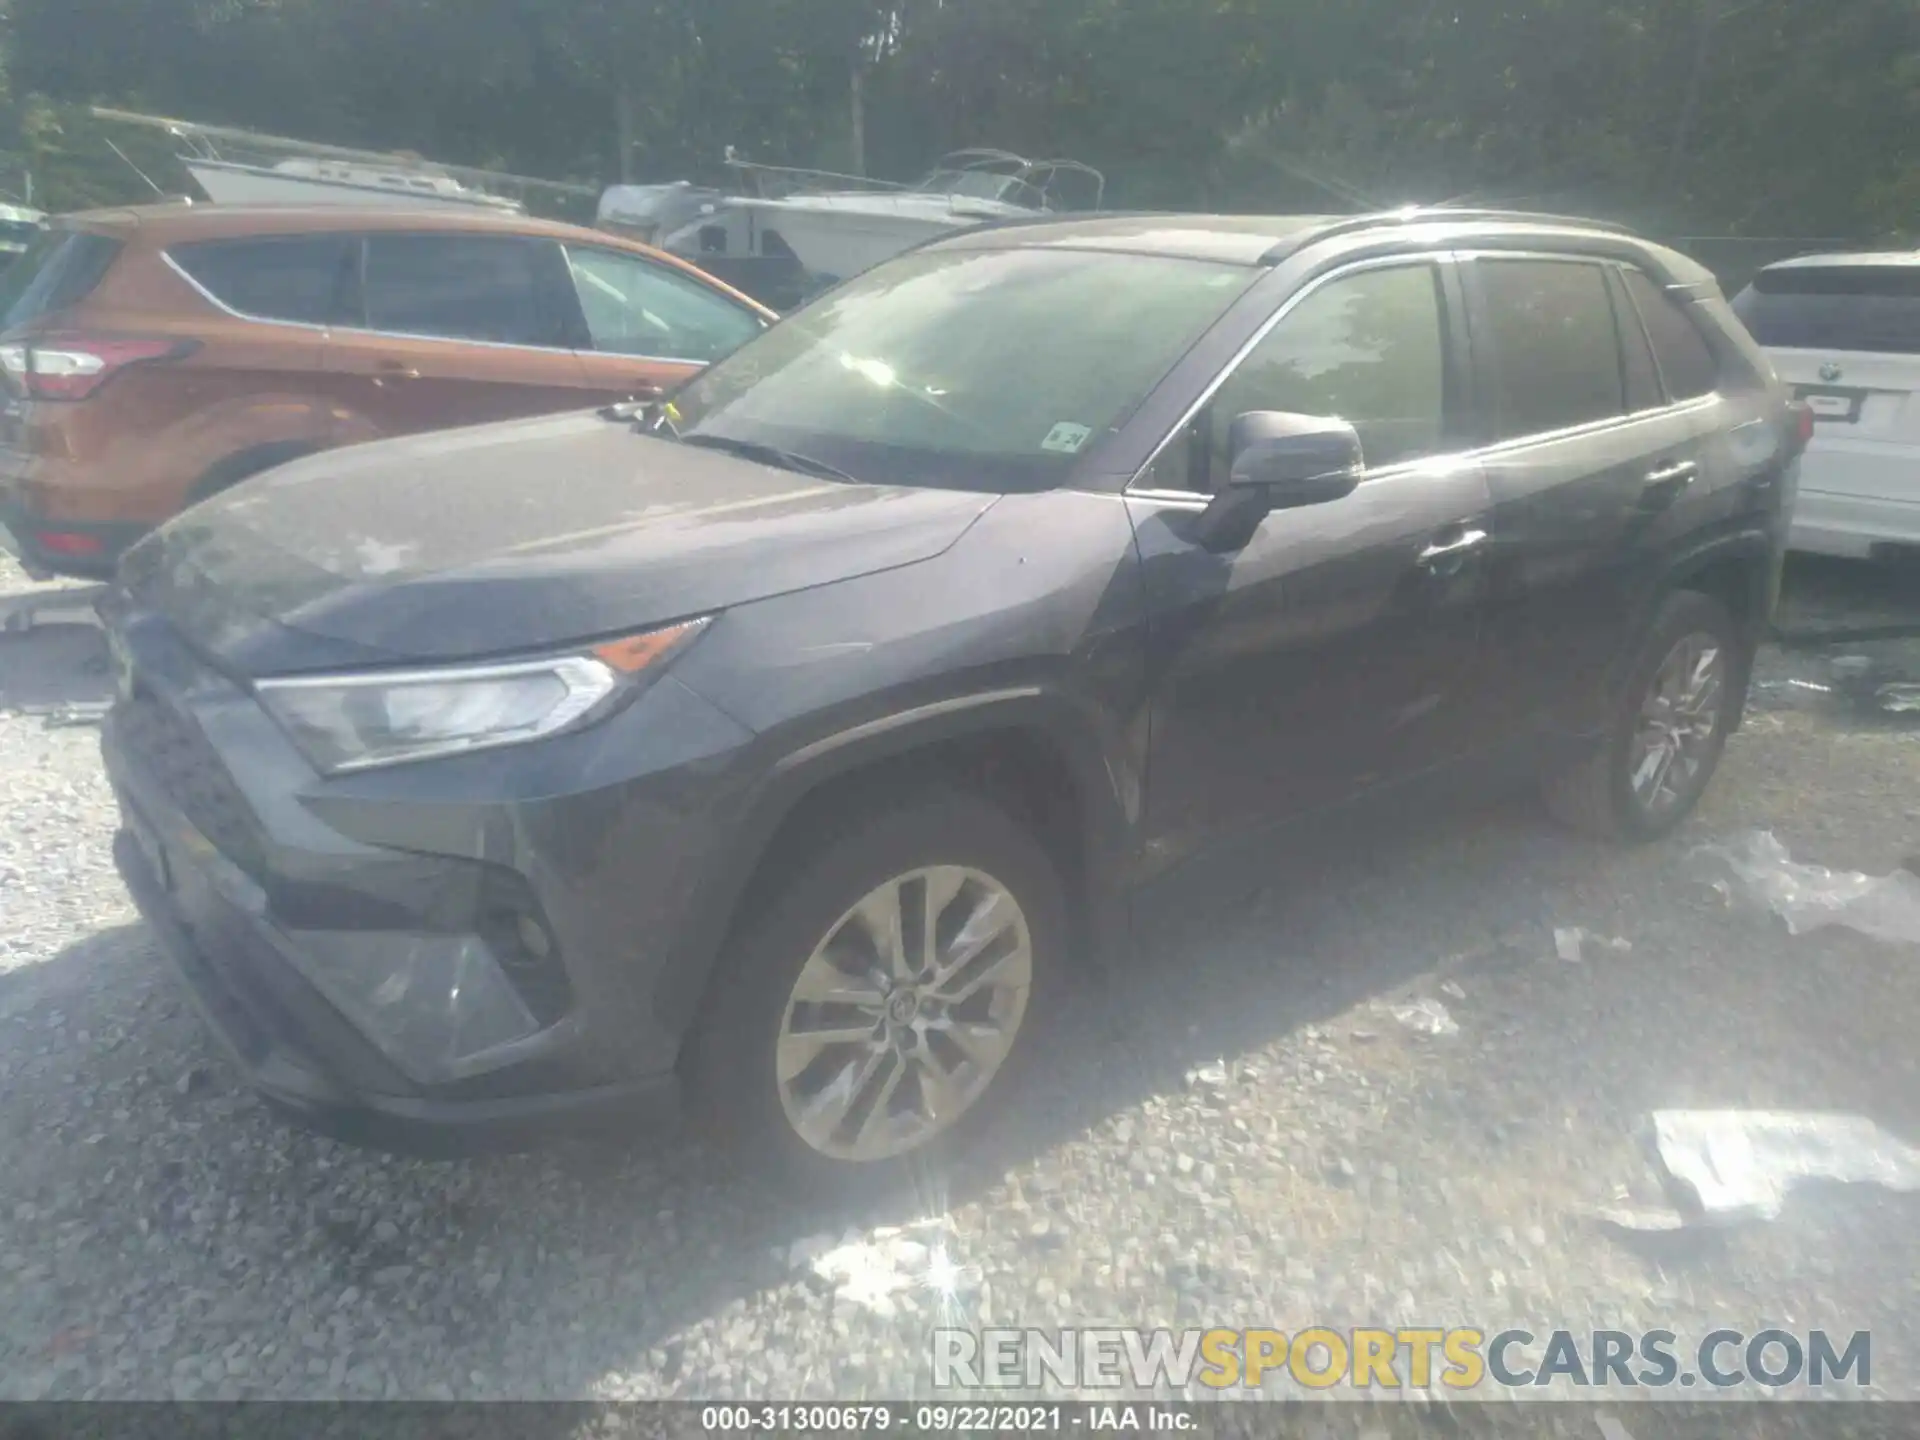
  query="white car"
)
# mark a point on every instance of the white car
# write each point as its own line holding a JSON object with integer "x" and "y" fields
{"x": 1844, "y": 332}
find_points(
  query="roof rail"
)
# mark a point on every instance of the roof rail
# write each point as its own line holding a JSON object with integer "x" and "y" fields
{"x": 1430, "y": 215}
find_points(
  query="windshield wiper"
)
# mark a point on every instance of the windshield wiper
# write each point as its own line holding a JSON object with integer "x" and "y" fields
{"x": 768, "y": 455}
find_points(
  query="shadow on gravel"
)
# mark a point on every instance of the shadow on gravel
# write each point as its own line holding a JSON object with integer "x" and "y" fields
{"x": 54, "y": 665}
{"x": 651, "y": 1238}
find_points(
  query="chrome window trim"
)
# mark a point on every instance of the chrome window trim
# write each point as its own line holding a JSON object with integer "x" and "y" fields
{"x": 236, "y": 314}
{"x": 1134, "y": 490}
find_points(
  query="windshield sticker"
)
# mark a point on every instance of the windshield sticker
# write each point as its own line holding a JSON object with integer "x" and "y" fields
{"x": 1066, "y": 438}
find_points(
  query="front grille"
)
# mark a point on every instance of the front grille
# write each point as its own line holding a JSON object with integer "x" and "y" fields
{"x": 172, "y": 753}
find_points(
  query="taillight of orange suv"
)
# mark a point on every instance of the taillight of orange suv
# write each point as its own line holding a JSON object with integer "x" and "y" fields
{"x": 70, "y": 367}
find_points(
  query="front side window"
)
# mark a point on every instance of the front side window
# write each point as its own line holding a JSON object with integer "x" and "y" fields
{"x": 1555, "y": 356}
{"x": 634, "y": 307}
{"x": 1369, "y": 349}
{"x": 978, "y": 369}
{"x": 304, "y": 279}
{"x": 460, "y": 287}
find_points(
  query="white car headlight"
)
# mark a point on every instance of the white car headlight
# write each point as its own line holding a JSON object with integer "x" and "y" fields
{"x": 356, "y": 722}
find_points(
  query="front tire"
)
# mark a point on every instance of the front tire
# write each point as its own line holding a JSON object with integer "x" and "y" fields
{"x": 882, "y": 1002}
{"x": 1666, "y": 729}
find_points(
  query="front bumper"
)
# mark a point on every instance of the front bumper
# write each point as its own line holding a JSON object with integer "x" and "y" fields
{"x": 1853, "y": 526}
{"x": 269, "y": 1031}
{"x": 267, "y": 884}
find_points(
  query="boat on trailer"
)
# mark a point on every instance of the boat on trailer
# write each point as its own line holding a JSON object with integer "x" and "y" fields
{"x": 839, "y": 225}
{"x": 245, "y": 167}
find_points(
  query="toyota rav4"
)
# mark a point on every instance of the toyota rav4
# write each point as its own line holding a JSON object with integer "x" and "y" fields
{"x": 779, "y": 748}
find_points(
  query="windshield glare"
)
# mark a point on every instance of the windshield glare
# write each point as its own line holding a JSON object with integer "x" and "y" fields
{"x": 986, "y": 370}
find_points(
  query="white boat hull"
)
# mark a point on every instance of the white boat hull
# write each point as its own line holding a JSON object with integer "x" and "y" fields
{"x": 229, "y": 184}
{"x": 836, "y": 241}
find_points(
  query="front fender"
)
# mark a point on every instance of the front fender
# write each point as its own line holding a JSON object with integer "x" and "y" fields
{"x": 1105, "y": 782}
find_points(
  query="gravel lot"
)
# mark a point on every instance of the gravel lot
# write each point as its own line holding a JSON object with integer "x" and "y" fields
{"x": 162, "y": 1235}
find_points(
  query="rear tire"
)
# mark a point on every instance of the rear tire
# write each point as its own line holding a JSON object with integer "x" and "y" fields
{"x": 908, "y": 1083}
{"x": 1666, "y": 727}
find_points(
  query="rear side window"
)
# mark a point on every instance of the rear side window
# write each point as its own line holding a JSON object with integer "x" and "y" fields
{"x": 462, "y": 287}
{"x": 1835, "y": 307}
{"x": 304, "y": 279}
{"x": 1556, "y": 355}
{"x": 1686, "y": 363}
{"x": 59, "y": 270}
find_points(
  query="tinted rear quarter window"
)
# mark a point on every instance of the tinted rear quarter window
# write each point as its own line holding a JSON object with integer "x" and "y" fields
{"x": 59, "y": 270}
{"x": 1556, "y": 356}
{"x": 1873, "y": 308}
{"x": 304, "y": 279}
{"x": 462, "y": 287}
{"x": 1686, "y": 361}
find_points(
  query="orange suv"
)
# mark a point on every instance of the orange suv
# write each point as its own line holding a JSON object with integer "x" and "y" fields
{"x": 151, "y": 357}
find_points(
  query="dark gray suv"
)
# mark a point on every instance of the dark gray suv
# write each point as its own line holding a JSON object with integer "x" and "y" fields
{"x": 780, "y": 747}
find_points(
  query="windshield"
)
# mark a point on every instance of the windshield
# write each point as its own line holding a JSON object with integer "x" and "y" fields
{"x": 985, "y": 370}
{"x": 976, "y": 184}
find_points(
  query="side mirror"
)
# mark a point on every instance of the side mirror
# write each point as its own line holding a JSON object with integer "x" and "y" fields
{"x": 1296, "y": 459}
{"x": 1278, "y": 461}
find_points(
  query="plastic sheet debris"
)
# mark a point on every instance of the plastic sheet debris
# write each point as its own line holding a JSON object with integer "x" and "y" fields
{"x": 1211, "y": 1076}
{"x": 1898, "y": 699}
{"x": 1570, "y": 943}
{"x": 1641, "y": 1220}
{"x": 1811, "y": 897}
{"x": 1425, "y": 1017}
{"x": 876, "y": 1269}
{"x": 76, "y": 715}
{"x": 1739, "y": 1164}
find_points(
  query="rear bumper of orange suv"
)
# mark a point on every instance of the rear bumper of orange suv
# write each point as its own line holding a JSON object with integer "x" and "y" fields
{"x": 85, "y": 550}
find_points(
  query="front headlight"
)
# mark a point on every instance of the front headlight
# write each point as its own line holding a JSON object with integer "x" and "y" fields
{"x": 356, "y": 722}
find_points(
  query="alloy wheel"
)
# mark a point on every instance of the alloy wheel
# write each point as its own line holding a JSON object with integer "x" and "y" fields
{"x": 1679, "y": 721}
{"x": 904, "y": 1013}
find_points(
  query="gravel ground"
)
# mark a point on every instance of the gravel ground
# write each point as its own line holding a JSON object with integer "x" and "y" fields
{"x": 162, "y": 1235}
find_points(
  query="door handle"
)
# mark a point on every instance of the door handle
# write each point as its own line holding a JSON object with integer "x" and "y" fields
{"x": 396, "y": 370}
{"x": 1447, "y": 556}
{"x": 1681, "y": 472}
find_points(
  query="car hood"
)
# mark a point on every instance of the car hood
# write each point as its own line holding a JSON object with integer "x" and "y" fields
{"x": 511, "y": 538}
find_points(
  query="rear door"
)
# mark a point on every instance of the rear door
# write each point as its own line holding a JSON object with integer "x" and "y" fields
{"x": 1846, "y": 337}
{"x": 645, "y": 326}
{"x": 459, "y": 329}
{"x": 1593, "y": 474}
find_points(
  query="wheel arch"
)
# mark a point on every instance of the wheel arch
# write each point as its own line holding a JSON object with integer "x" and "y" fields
{"x": 1739, "y": 572}
{"x": 1033, "y": 752}
{"x": 244, "y": 464}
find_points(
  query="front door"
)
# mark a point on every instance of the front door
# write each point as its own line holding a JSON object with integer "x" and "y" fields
{"x": 458, "y": 329}
{"x": 1338, "y": 648}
